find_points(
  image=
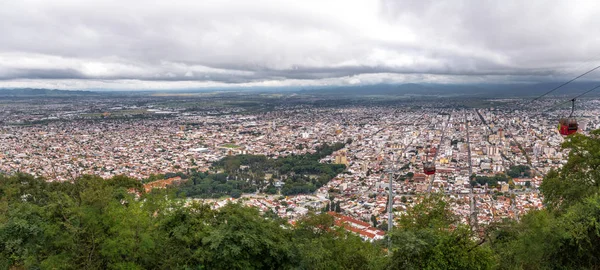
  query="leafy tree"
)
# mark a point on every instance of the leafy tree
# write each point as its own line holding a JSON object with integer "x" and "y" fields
{"x": 243, "y": 240}
{"x": 579, "y": 178}
{"x": 20, "y": 232}
{"x": 383, "y": 226}
{"x": 429, "y": 237}
{"x": 320, "y": 245}
{"x": 374, "y": 221}
{"x": 491, "y": 181}
{"x": 565, "y": 235}
{"x": 528, "y": 244}
{"x": 183, "y": 229}
{"x": 130, "y": 238}
{"x": 236, "y": 193}
{"x": 403, "y": 199}
{"x": 519, "y": 171}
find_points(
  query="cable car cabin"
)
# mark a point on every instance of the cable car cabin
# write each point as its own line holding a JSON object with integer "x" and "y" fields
{"x": 567, "y": 126}
{"x": 429, "y": 168}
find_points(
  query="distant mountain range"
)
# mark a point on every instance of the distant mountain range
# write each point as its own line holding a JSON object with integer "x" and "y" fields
{"x": 473, "y": 90}
{"x": 408, "y": 89}
{"x": 36, "y": 92}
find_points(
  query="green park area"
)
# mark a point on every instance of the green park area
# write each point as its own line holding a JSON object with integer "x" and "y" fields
{"x": 290, "y": 175}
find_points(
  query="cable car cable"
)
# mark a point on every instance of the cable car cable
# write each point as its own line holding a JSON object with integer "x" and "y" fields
{"x": 590, "y": 90}
{"x": 576, "y": 97}
{"x": 558, "y": 87}
{"x": 572, "y": 108}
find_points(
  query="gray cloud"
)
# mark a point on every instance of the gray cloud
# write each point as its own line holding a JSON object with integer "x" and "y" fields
{"x": 135, "y": 44}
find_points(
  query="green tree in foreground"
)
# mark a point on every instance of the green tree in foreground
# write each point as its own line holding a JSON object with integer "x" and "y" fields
{"x": 565, "y": 235}
{"x": 94, "y": 223}
{"x": 430, "y": 237}
{"x": 322, "y": 246}
{"x": 579, "y": 178}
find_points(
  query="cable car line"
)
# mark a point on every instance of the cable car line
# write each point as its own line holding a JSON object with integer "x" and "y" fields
{"x": 590, "y": 90}
{"x": 576, "y": 97}
{"x": 569, "y": 126}
{"x": 570, "y": 81}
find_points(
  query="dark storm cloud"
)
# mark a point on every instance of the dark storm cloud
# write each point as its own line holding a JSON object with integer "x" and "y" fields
{"x": 41, "y": 74}
{"x": 111, "y": 43}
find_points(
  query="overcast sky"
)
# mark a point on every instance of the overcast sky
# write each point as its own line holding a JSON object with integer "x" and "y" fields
{"x": 140, "y": 44}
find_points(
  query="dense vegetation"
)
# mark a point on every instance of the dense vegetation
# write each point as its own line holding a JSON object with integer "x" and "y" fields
{"x": 97, "y": 224}
{"x": 493, "y": 181}
{"x": 519, "y": 171}
{"x": 215, "y": 185}
{"x": 566, "y": 234}
{"x": 299, "y": 174}
{"x": 93, "y": 223}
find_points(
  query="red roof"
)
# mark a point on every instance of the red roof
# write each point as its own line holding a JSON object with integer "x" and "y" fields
{"x": 161, "y": 183}
{"x": 351, "y": 224}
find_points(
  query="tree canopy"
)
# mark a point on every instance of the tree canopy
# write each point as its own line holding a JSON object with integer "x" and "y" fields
{"x": 429, "y": 236}
{"x": 294, "y": 174}
{"x": 566, "y": 234}
{"x": 93, "y": 223}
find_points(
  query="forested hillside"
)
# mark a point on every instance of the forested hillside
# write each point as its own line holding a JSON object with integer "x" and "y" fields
{"x": 97, "y": 224}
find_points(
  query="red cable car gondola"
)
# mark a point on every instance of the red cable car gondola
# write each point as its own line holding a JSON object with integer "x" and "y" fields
{"x": 429, "y": 168}
{"x": 568, "y": 126}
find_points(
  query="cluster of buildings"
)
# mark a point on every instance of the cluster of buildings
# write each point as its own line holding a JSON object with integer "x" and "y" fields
{"x": 382, "y": 142}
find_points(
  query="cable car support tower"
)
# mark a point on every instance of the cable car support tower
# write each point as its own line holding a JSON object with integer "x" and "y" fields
{"x": 472, "y": 203}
